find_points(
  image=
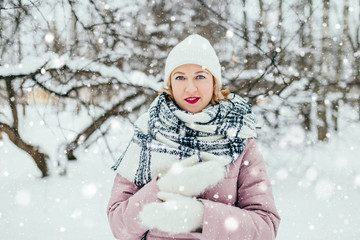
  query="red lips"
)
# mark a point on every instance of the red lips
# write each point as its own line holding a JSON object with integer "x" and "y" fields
{"x": 192, "y": 100}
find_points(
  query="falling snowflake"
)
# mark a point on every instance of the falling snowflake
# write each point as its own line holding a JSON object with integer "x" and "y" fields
{"x": 263, "y": 186}
{"x": 176, "y": 168}
{"x": 231, "y": 132}
{"x": 89, "y": 190}
{"x": 231, "y": 224}
{"x": 49, "y": 37}
{"x": 76, "y": 214}
{"x": 170, "y": 205}
{"x": 282, "y": 174}
{"x": 229, "y": 33}
{"x": 58, "y": 62}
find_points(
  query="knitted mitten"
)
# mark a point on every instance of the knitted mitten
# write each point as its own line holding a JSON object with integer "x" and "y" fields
{"x": 177, "y": 214}
{"x": 190, "y": 178}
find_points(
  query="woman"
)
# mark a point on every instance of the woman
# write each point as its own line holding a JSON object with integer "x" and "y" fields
{"x": 192, "y": 169}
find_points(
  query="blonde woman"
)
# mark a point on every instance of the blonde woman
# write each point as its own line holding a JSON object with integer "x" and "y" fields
{"x": 192, "y": 169}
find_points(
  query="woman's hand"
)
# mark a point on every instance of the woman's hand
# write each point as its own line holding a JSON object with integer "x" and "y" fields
{"x": 190, "y": 178}
{"x": 177, "y": 214}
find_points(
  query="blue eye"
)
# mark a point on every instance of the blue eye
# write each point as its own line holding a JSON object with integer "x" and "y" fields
{"x": 200, "y": 77}
{"x": 179, "y": 78}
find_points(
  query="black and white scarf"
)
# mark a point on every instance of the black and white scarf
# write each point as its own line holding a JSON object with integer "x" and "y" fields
{"x": 166, "y": 134}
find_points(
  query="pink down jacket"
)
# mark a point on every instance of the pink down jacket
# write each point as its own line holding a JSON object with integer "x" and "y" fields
{"x": 239, "y": 207}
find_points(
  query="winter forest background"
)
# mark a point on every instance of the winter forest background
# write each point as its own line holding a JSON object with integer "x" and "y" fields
{"x": 74, "y": 76}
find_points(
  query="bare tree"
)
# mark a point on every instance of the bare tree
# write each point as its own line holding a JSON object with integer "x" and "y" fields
{"x": 261, "y": 61}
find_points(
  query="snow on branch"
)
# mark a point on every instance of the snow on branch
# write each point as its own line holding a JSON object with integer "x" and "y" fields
{"x": 34, "y": 67}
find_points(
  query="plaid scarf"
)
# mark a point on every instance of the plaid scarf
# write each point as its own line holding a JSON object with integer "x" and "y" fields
{"x": 166, "y": 134}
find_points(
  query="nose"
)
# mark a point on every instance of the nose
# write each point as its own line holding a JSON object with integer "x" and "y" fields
{"x": 190, "y": 86}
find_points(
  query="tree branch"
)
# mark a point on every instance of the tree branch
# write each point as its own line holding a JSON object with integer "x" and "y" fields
{"x": 12, "y": 102}
{"x": 39, "y": 157}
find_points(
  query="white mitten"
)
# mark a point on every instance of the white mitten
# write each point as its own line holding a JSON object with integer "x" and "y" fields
{"x": 190, "y": 178}
{"x": 177, "y": 214}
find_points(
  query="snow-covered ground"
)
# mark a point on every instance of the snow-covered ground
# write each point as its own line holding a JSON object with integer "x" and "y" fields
{"x": 317, "y": 187}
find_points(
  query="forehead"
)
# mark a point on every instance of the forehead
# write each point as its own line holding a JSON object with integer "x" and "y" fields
{"x": 190, "y": 68}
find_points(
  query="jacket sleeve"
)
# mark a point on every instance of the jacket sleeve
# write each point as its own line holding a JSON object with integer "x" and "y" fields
{"x": 254, "y": 216}
{"x": 125, "y": 203}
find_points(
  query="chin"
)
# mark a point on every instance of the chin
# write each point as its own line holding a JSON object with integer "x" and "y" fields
{"x": 191, "y": 109}
{"x": 194, "y": 110}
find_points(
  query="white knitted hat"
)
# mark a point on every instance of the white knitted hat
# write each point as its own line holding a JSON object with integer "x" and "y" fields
{"x": 194, "y": 49}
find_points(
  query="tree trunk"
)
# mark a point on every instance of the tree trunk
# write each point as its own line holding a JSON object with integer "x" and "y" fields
{"x": 335, "y": 114}
{"x": 259, "y": 24}
{"x": 1, "y": 34}
{"x": 12, "y": 103}
{"x": 305, "y": 112}
{"x": 245, "y": 25}
{"x": 39, "y": 157}
{"x": 322, "y": 125}
{"x": 326, "y": 40}
{"x": 280, "y": 22}
{"x": 321, "y": 83}
{"x": 340, "y": 66}
{"x": 310, "y": 57}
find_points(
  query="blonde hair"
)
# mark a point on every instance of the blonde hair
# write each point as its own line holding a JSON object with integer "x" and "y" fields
{"x": 218, "y": 94}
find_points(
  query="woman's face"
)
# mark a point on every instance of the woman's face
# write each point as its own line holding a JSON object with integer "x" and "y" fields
{"x": 192, "y": 87}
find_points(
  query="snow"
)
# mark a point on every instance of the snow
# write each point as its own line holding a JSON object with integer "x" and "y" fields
{"x": 231, "y": 224}
{"x": 316, "y": 187}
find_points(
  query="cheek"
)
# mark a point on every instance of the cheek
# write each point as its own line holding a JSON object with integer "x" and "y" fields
{"x": 176, "y": 89}
{"x": 208, "y": 90}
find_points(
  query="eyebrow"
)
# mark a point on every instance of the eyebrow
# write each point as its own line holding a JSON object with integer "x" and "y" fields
{"x": 195, "y": 72}
{"x": 178, "y": 73}
{"x": 202, "y": 72}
